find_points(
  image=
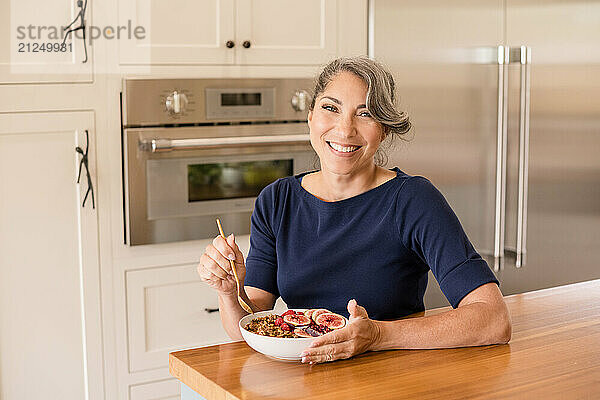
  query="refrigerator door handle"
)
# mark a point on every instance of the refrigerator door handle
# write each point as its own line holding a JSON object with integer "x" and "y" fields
{"x": 525, "y": 90}
{"x": 501, "y": 143}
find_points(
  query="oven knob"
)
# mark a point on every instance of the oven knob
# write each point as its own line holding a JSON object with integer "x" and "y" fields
{"x": 176, "y": 102}
{"x": 299, "y": 100}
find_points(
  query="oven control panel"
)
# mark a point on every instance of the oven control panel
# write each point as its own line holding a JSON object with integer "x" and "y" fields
{"x": 150, "y": 102}
{"x": 235, "y": 103}
{"x": 177, "y": 103}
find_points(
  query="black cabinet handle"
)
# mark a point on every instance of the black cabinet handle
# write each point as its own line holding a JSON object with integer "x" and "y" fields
{"x": 211, "y": 310}
{"x": 230, "y": 44}
{"x": 246, "y": 44}
{"x": 84, "y": 163}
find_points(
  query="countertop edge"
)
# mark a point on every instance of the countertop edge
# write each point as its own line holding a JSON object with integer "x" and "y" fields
{"x": 183, "y": 373}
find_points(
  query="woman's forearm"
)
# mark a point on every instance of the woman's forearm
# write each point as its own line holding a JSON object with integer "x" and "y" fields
{"x": 231, "y": 312}
{"x": 474, "y": 324}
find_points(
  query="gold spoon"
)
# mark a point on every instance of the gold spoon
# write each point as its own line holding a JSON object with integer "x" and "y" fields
{"x": 245, "y": 306}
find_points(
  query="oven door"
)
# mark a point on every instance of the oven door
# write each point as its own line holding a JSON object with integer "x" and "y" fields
{"x": 178, "y": 180}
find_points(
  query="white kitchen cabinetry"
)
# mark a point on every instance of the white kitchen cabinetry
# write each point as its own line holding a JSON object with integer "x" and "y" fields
{"x": 286, "y": 31}
{"x": 169, "y": 309}
{"x": 248, "y": 32}
{"x": 50, "y": 314}
{"x": 29, "y": 39}
{"x": 167, "y": 389}
{"x": 177, "y": 32}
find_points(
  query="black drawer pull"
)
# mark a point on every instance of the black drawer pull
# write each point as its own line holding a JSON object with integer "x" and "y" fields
{"x": 211, "y": 310}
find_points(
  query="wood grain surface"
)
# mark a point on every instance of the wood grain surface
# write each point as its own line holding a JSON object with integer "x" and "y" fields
{"x": 554, "y": 354}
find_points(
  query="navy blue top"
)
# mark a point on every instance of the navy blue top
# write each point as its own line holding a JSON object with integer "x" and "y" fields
{"x": 376, "y": 247}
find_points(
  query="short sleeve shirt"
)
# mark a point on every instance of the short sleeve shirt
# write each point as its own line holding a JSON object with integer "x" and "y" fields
{"x": 376, "y": 247}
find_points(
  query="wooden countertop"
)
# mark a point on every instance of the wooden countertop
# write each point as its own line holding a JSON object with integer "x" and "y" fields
{"x": 554, "y": 353}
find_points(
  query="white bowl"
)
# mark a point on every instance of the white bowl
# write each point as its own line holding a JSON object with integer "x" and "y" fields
{"x": 281, "y": 348}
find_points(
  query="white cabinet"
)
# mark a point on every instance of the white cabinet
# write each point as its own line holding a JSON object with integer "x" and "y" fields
{"x": 248, "y": 32}
{"x": 50, "y": 318}
{"x": 169, "y": 309}
{"x": 177, "y": 32}
{"x": 30, "y": 42}
{"x": 167, "y": 389}
{"x": 286, "y": 31}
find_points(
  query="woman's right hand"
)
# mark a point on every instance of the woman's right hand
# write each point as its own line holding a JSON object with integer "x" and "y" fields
{"x": 214, "y": 267}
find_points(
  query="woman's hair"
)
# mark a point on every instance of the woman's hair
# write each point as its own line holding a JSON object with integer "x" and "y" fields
{"x": 381, "y": 95}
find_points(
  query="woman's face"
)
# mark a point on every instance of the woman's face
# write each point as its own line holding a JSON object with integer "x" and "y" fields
{"x": 342, "y": 131}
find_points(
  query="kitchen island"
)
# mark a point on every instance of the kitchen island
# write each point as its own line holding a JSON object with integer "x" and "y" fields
{"x": 554, "y": 353}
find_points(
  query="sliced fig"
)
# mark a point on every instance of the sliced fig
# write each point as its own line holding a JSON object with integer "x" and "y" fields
{"x": 302, "y": 332}
{"x": 331, "y": 320}
{"x": 317, "y": 312}
{"x": 312, "y": 332}
{"x": 309, "y": 312}
{"x": 296, "y": 319}
{"x": 288, "y": 312}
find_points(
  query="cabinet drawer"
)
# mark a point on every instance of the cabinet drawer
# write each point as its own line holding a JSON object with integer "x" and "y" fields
{"x": 166, "y": 312}
{"x": 162, "y": 390}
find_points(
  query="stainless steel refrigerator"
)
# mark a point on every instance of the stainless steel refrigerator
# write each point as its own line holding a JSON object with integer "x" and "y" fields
{"x": 504, "y": 98}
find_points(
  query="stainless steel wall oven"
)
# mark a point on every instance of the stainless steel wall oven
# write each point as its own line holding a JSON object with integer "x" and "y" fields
{"x": 197, "y": 149}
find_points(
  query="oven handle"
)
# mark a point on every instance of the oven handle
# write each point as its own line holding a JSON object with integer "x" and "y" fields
{"x": 162, "y": 145}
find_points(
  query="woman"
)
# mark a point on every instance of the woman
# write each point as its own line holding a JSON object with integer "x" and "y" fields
{"x": 355, "y": 233}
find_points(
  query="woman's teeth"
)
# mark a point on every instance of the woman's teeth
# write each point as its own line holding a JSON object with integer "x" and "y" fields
{"x": 343, "y": 149}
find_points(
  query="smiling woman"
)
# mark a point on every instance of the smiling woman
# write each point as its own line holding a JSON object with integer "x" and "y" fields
{"x": 380, "y": 94}
{"x": 351, "y": 113}
{"x": 378, "y": 102}
{"x": 355, "y": 233}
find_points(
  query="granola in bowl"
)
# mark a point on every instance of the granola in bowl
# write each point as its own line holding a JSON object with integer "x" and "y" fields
{"x": 296, "y": 323}
{"x": 269, "y": 332}
{"x": 266, "y": 326}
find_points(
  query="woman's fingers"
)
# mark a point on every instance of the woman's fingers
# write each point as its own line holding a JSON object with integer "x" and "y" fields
{"x": 332, "y": 346}
{"x": 239, "y": 257}
{"x": 219, "y": 258}
{"x": 207, "y": 260}
{"x": 327, "y": 353}
{"x": 204, "y": 273}
{"x": 214, "y": 266}
{"x": 224, "y": 248}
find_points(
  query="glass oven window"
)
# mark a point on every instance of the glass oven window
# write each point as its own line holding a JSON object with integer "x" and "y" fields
{"x": 234, "y": 180}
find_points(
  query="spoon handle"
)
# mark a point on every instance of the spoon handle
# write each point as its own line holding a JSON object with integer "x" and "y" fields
{"x": 245, "y": 306}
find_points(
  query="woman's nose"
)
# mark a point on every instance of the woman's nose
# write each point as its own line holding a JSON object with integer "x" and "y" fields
{"x": 345, "y": 126}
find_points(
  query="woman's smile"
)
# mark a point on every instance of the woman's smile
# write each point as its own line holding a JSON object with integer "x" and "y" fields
{"x": 343, "y": 150}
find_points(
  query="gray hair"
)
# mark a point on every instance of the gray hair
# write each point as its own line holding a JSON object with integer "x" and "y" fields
{"x": 380, "y": 94}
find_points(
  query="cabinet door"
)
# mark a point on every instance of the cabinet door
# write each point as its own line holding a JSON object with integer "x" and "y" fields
{"x": 30, "y": 39}
{"x": 169, "y": 309}
{"x": 286, "y": 31}
{"x": 50, "y": 330}
{"x": 177, "y": 32}
{"x": 162, "y": 390}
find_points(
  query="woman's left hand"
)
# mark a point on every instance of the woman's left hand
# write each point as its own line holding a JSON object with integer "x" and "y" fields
{"x": 355, "y": 338}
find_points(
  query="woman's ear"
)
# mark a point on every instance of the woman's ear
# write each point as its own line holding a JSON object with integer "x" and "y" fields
{"x": 384, "y": 132}
{"x": 309, "y": 115}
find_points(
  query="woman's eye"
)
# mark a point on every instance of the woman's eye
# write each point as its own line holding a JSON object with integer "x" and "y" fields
{"x": 365, "y": 114}
{"x": 329, "y": 107}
